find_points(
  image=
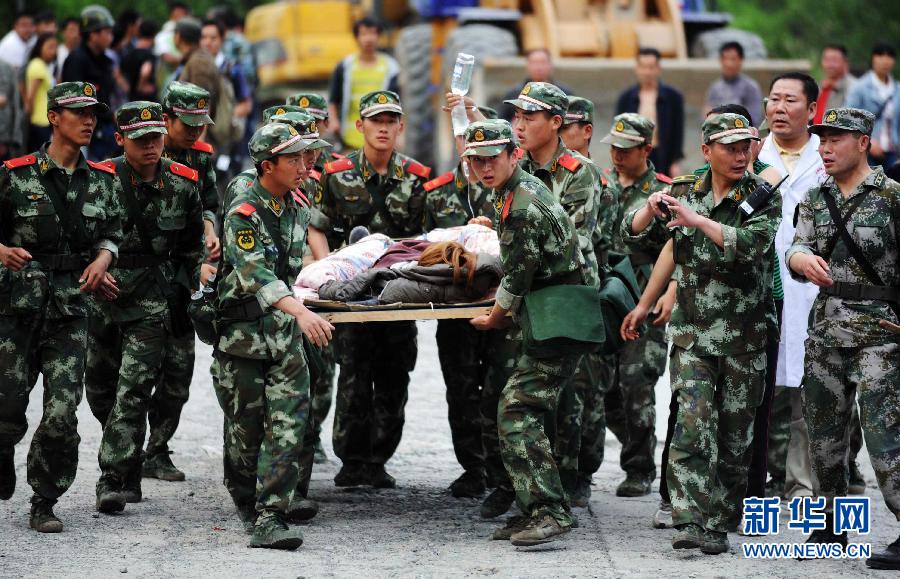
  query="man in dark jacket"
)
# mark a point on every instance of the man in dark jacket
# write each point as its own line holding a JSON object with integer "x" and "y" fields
{"x": 661, "y": 104}
{"x": 89, "y": 63}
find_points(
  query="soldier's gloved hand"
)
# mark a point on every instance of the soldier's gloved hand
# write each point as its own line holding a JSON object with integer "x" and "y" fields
{"x": 315, "y": 327}
{"x": 95, "y": 273}
{"x": 14, "y": 258}
{"x": 889, "y": 326}
{"x": 629, "y": 328}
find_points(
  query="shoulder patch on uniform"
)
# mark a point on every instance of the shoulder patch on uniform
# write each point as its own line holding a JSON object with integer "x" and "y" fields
{"x": 203, "y": 147}
{"x": 418, "y": 169}
{"x": 106, "y": 168}
{"x": 439, "y": 181}
{"x": 20, "y": 162}
{"x": 315, "y": 174}
{"x": 664, "y": 178}
{"x": 184, "y": 171}
{"x": 333, "y": 167}
{"x": 245, "y": 209}
{"x": 570, "y": 162}
{"x": 245, "y": 239}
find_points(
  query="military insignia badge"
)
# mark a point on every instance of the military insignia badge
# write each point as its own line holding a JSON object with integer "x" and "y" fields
{"x": 279, "y": 111}
{"x": 318, "y": 197}
{"x": 398, "y": 171}
{"x": 275, "y": 206}
{"x": 526, "y": 89}
{"x": 201, "y": 104}
{"x": 245, "y": 239}
{"x": 832, "y": 116}
{"x": 478, "y": 136}
{"x": 313, "y": 128}
{"x": 620, "y": 126}
{"x": 382, "y": 99}
{"x": 293, "y": 131}
{"x": 88, "y": 90}
{"x": 45, "y": 165}
{"x": 304, "y": 102}
{"x": 459, "y": 183}
{"x": 145, "y": 115}
{"x": 498, "y": 205}
{"x": 738, "y": 124}
{"x": 646, "y": 186}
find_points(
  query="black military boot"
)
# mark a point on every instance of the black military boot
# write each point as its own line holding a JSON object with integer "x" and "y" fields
{"x": 379, "y": 478}
{"x": 7, "y": 473}
{"x": 634, "y": 485}
{"x": 887, "y": 559}
{"x": 352, "y": 474}
{"x": 110, "y": 498}
{"x": 160, "y": 466}
{"x": 131, "y": 490}
{"x": 469, "y": 484}
{"x": 42, "y": 518}
{"x": 497, "y": 503}
{"x": 827, "y": 535}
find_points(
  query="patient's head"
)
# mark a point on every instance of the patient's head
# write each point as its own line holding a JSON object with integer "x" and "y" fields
{"x": 454, "y": 255}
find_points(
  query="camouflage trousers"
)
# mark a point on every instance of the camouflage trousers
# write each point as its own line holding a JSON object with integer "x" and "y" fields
{"x": 528, "y": 402}
{"x": 464, "y": 354}
{"x": 171, "y": 394}
{"x": 593, "y": 379}
{"x": 709, "y": 456}
{"x": 267, "y": 425}
{"x": 834, "y": 379}
{"x": 323, "y": 388}
{"x": 564, "y": 431}
{"x": 631, "y": 402}
{"x": 127, "y": 381}
{"x": 504, "y": 353}
{"x": 376, "y": 359}
{"x": 55, "y": 348}
{"x": 780, "y": 433}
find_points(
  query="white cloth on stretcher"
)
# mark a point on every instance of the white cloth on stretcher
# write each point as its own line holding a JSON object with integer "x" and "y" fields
{"x": 348, "y": 262}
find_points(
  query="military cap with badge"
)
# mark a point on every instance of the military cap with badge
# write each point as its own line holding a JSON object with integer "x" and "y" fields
{"x": 541, "y": 96}
{"x": 139, "y": 118}
{"x": 580, "y": 110}
{"x": 315, "y": 104}
{"x": 379, "y": 101}
{"x": 189, "y": 102}
{"x": 487, "y": 138}
{"x": 74, "y": 95}
{"x": 845, "y": 119}
{"x": 305, "y": 124}
{"x": 629, "y": 130}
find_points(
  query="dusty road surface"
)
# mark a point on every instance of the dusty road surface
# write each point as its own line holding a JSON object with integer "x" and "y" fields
{"x": 189, "y": 529}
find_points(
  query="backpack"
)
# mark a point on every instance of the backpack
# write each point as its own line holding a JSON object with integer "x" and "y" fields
{"x": 227, "y": 129}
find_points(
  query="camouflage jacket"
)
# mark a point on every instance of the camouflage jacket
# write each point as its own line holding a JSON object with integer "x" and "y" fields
{"x": 345, "y": 200}
{"x": 200, "y": 158}
{"x": 875, "y": 226}
{"x": 28, "y": 219}
{"x": 538, "y": 242}
{"x": 723, "y": 301}
{"x": 249, "y": 272}
{"x": 450, "y": 200}
{"x": 630, "y": 199}
{"x": 575, "y": 187}
{"x": 172, "y": 217}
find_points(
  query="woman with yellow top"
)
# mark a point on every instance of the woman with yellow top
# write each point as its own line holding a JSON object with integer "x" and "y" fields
{"x": 38, "y": 80}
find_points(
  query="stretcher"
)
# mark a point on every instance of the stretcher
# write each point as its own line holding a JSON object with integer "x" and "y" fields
{"x": 348, "y": 313}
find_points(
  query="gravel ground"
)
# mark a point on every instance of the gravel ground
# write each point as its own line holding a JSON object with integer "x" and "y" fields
{"x": 189, "y": 529}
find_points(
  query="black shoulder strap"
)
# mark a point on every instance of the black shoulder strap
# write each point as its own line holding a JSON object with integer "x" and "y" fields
{"x": 840, "y": 222}
{"x": 70, "y": 219}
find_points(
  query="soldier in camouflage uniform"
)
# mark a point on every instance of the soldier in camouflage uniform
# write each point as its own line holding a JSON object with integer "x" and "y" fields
{"x": 631, "y": 401}
{"x": 721, "y": 258}
{"x": 539, "y": 246}
{"x": 381, "y": 190}
{"x": 539, "y": 115}
{"x": 466, "y": 355}
{"x": 260, "y": 350}
{"x": 59, "y": 231}
{"x": 848, "y": 354}
{"x": 186, "y": 107}
{"x": 127, "y": 337}
{"x": 301, "y": 508}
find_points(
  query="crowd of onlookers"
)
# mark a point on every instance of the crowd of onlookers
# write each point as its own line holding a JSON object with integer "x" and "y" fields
{"x": 128, "y": 58}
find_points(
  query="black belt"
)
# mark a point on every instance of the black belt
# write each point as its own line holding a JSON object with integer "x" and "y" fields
{"x": 861, "y": 291}
{"x": 571, "y": 278}
{"x": 140, "y": 260}
{"x": 60, "y": 261}
{"x": 245, "y": 310}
